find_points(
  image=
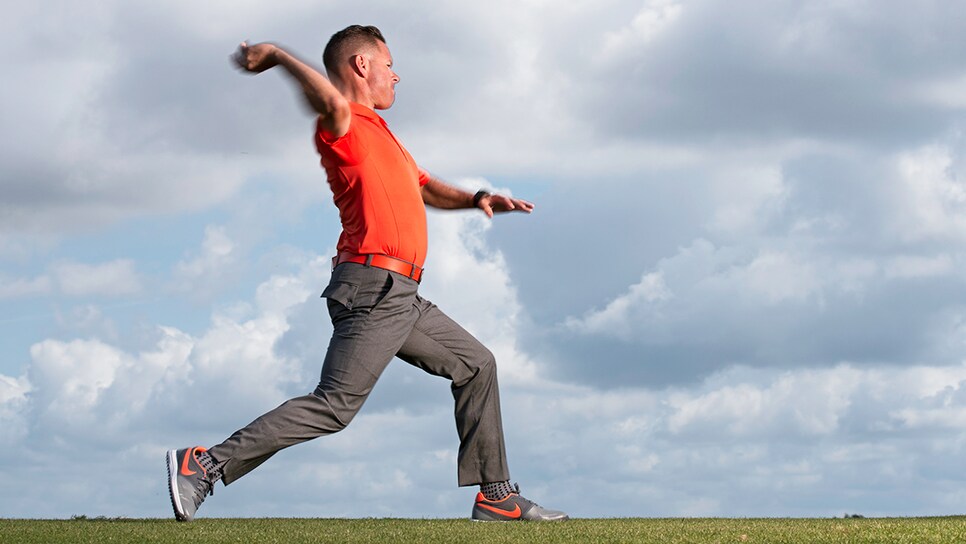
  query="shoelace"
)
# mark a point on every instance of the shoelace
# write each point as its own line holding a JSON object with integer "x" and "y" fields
{"x": 212, "y": 474}
{"x": 208, "y": 488}
{"x": 516, "y": 489}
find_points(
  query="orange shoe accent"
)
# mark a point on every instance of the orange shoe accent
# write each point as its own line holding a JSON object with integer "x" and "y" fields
{"x": 512, "y": 514}
{"x": 191, "y": 455}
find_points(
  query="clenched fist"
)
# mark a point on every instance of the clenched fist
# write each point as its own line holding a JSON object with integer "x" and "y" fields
{"x": 256, "y": 58}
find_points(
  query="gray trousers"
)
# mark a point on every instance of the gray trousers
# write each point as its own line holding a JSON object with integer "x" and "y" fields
{"x": 377, "y": 315}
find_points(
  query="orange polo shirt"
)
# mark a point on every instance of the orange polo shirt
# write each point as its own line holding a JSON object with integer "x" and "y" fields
{"x": 376, "y": 186}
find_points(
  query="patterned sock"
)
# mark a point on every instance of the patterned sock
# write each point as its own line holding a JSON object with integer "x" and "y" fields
{"x": 496, "y": 491}
{"x": 212, "y": 467}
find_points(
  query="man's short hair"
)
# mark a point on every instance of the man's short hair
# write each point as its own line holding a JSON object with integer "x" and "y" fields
{"x": 346, "y": 42}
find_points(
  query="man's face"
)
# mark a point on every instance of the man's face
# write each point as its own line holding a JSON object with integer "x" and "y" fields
{"x": 382, "y": 80}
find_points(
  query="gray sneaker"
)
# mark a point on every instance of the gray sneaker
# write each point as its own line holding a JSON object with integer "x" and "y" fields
{"x": 513, "y": 508}
{"x": 188, "y": 482}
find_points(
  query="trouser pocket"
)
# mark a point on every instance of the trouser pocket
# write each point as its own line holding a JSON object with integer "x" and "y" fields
{"x": 352, "y": 295}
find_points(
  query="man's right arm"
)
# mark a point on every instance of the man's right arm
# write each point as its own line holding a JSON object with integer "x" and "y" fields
{"x": 322, "y": 96}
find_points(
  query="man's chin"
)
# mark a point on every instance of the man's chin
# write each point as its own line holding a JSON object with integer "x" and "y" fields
{"x": 385, "y": 105}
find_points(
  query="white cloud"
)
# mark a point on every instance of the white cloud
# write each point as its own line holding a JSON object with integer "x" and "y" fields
{"x": 743, "y": 408}
{"x": 87, "y": 383}
{"x": 114, "y": 278}
{"x": 804, "y": 432}
{"x": 238, "y": 353}
{"x": 24, "y": 287}
{"x": 779, "y": 277}
{"x": 112, "y": 146}
{"x": 668, "y": 295}
{"x": 742, "y": 403}
{"x": 13, "y": 391}
{"x": 217, "y": 251}
{"x": 625, "y": 315}
{"x": 652, "y": 19}
{"x": 947, "y": 417}
{"x": 911, "y": 266}
{"x": 947, "y": 92}
{"x": 932, "y": 196}
{"x": 13, "y": 402}
{"x": 280, "y": 293}
{"x": 73, "y": 376}
{"x": 745, "y": 198}
{"x": 88, "y": 320}
{"x": 231, "y": 345}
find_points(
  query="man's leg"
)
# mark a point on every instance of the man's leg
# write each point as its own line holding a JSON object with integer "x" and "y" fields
{"x": 438, "y": 345}
{"x": 372, "y": 313}
{"x": 441, "y": 347}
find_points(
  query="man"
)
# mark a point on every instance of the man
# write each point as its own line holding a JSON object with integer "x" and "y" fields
{"x": 372, "y": 296}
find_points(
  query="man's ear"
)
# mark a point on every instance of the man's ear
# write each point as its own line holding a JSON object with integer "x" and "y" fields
{"x": 360, "y": 65}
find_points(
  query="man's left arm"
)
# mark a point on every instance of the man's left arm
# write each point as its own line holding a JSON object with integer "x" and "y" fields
{"x": 439, "y": 194}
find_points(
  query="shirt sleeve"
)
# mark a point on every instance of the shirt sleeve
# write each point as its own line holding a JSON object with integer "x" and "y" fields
{"x": 423, "y": 176}
{"x": 348, "y": 149}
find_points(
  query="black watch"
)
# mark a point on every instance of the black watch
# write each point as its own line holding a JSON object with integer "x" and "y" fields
{"x": 478, "y": 197}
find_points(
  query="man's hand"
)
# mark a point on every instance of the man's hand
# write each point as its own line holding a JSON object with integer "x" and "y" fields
{"x": 441, "y": 195}
{"x": 491, "y": 204}
{"x": 333, "y": 109}
{"x": 256, "y": 58}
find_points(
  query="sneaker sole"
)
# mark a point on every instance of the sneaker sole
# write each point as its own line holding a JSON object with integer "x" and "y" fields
{"x": 483, "y": 516}
{"x": 478, "y": 520}
{"x": 172, "y": 458}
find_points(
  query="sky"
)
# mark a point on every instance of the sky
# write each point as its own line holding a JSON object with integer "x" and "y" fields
{"x": 741, "y": 293}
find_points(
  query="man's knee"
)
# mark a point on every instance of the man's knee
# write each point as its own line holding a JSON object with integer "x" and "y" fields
{"x": 340, "y": 407}
{"x": 482, "y": 365}
{"x": 487, "y": 361}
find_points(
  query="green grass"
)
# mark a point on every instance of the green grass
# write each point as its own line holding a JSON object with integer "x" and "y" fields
{"x": 437, "y": 531}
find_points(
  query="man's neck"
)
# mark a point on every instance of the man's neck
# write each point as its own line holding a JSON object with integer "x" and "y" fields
{"x": 356, "y": 94}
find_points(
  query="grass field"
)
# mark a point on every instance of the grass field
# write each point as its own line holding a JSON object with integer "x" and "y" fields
{"x": 704, "y": 531}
